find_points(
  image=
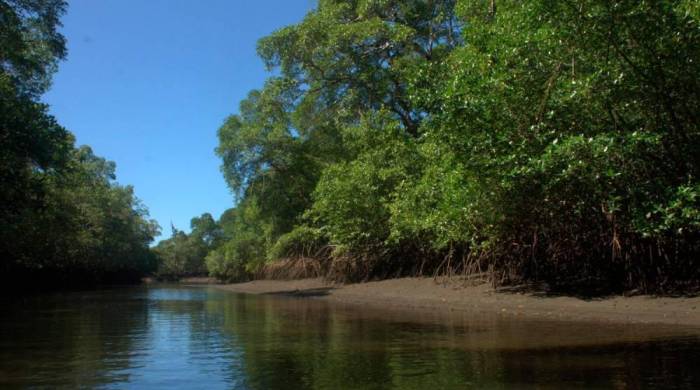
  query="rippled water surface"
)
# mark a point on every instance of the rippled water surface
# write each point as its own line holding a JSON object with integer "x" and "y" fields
{"x": 166, "y": 337}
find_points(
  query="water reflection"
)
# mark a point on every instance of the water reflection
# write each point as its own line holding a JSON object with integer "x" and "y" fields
{"x": 70, "y": 340}
{"x": 203, "y": 338}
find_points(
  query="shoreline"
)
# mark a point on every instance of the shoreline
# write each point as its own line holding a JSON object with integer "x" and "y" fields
{"x": 442, "y": 295}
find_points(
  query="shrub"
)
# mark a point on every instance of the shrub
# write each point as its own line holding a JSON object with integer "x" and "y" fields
{"x": 303, "y": 241}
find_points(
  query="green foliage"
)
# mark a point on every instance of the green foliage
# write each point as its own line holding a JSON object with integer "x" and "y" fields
{"x": 77, "y": 227}
{"x": 679, "y": 215}
{"x": 353, "y": 56}
{"x": 30, "y": 44}
{"x": 538, "y": 140}
{"x": 243, "y": 252}
{"x": 341, "y": 62}
{"x": 302, "y": 241}
{"x": 32, "y": 143}
{"x": 443, "y": 206}
{"x": 560, "y": 140}
{"x": 64, "y": 221}
{"x": 351, "y": 200}
{"x": 206, "y": 230}
{"x": 184, "y": 254}
{"x": 180, "y": 256}
{"x": 224, "y": 264}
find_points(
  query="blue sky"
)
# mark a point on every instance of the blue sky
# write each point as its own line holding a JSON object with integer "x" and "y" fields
{"x": 147, "y": 83}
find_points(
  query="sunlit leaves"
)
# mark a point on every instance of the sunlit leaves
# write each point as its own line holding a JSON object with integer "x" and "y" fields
{"x": 551, "y": 138}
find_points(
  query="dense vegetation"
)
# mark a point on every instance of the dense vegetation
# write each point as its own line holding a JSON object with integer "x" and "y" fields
{"x": 183, "y": 254}
{"x": 64, "y": 220}
{"x": 526, "y": 141}
{"x": 522, "y": 141}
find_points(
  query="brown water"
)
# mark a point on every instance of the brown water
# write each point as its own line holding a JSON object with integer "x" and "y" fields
{"x": 170, "y": 336}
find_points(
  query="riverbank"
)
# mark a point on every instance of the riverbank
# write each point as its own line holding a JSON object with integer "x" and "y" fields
{"x": 451, "y": 295}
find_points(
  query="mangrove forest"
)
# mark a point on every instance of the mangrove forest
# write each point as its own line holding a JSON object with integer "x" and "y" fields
{"x": 547, "y": 142}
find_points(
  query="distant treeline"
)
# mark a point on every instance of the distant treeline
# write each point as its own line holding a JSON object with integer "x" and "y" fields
{"x": 547, "y": 141}
{"x": 64, "y": 221}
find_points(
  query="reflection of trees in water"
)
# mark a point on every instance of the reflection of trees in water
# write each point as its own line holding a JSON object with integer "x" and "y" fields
{"x": 74, "y": 339}
{"x": 657, "y": 364}
{"x": 270, "y": 342}
{"x": 292, "y": 343}
{"x": 301, "y": 344}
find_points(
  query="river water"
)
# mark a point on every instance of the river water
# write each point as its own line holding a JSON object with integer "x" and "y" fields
{"x": 200, "y": 337}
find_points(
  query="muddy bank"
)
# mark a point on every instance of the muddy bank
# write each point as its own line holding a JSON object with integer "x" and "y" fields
{"x": 451, "y": 295}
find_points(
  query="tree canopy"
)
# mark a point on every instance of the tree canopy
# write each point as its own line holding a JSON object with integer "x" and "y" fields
{"x": 542, "y": 141}
{"x": 538, "y": 140}
{"x": 64, "y": 220}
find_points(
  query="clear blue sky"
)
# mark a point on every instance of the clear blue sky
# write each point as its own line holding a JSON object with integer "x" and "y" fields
{"x": 147, "y": 83}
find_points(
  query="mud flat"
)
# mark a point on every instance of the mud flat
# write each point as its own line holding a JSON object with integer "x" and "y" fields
{"x": 452, "y": 295}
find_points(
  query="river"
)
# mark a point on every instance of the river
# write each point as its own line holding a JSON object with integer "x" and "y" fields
{"x": 200, "y": 337}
